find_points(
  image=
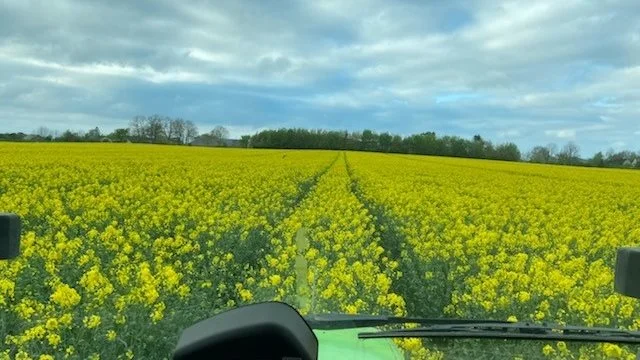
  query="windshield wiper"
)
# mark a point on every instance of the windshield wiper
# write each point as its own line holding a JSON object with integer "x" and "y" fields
{"x": 520, "y": 330}
{"x": 346, "y": 321}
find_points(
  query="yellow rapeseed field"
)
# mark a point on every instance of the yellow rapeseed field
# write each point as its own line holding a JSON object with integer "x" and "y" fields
{"x": 509, "y": 241}
{"x": 125, "y": 245}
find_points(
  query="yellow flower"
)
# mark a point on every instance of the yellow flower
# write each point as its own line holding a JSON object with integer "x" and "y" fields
{"x": 351, "y": 309}
{"x": 626, "y": 310}
{"x": 22, "y": 355}
{"x": 183, "y": 290}
{"x": 512, "y": 318}
{"x": 562, "y": 347}
{"x": 69, "y": 351}
{"x": 51, "y": 324}
{"x": 412, "y": 344}
{"x": 36, "y": 332}
{"x": 66, "y": 319}
{"x": 171, "y": 278}
{"x": 92, "y": 321}
{"x": 548, "y": 350}
{"x": 111, "y": 335}
{"x": 96, "y": 283}
{"x": 65, "y": 296}
{"x": 612, "y": 351}
{"x": 53, "y": 339}
{"x": 25, "y": 309}
{"x": 7, "y": 288}
{"x": 523, "y": 296}
{"x": 158, "y": 312}
{"x": 275, "y": 280}
{"x": 245, "y": 295}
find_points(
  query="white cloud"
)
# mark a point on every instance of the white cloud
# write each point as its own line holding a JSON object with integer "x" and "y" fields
{"x": 595, "y": 127}
{"x": 510, "y": 133}
{"x": 562, "y": 133}
{"x": 212, "y": 57}
{"x": 109, "y": 69}
{"x": 56, "y": 80}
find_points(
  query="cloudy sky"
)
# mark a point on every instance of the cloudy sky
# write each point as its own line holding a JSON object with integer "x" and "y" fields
{"x": 531, "y": 72}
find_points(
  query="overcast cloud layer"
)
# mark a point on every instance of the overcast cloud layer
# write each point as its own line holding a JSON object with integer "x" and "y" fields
{"x": 531, "y": 72}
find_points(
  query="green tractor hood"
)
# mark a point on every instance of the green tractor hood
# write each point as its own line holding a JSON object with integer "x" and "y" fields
{"x": 344, "y": 344}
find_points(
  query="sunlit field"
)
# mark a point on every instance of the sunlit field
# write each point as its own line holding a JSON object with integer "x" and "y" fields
{"x": 125, "y": 245}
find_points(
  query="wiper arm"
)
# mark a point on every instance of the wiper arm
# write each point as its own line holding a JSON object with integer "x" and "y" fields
{"x": 346, "y": 321}
{"x": 521, "y": 331}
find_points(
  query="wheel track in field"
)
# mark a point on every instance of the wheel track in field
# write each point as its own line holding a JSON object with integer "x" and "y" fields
{"x": 307, "y": 186}
{"x": 252, "y": 250}
{"x": 248, "y": 255}
{"x": 380, "y": 266}
{"x": 422, "y": 298}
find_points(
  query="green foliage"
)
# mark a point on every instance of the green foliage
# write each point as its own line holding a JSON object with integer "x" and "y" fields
{"x": 426, "y": 143}
{"x": 508, "y": 151}
{"x": 119, "y": 135}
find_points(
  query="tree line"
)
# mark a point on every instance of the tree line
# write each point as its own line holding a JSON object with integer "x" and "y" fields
{"x": 570, "y": 155}
{"x": 157, "y": 129}
{"x": 428, "y": 143}
{"x": 424, "y": 144}
{"x": 154, "y": 129}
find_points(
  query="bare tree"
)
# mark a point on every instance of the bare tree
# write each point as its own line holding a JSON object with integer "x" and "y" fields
{"x": 553, "y": 149}
{"x": 166, "y": 127}
{"x": 155, "y": 129}
{"x": 43, "y": 132}
{"x": 570, "y": 153}
{"x": 177, "y": 129}
{"x": 137, "y": 127}
{"x": 219, "y": 133}
{"x": 540, "y": 154}
{"x": 571, "y": 149}
{"x": 190, "y": 132}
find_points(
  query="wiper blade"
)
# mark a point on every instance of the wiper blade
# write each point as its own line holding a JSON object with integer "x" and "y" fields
{"x": 521, "y": 331}
{"x": 346, "y": 321}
